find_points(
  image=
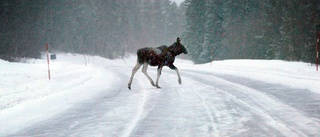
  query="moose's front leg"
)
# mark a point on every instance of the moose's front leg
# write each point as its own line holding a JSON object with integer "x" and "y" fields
{"x": 158, "y": 76}
{"x": 177, "y": 70}
{"x": 179, "y": 78}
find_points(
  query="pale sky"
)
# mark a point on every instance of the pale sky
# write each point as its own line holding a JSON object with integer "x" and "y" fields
{"x": 178, "y": 1}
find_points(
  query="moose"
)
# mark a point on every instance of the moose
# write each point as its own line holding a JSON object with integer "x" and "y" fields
{"x": 159, "y": 56}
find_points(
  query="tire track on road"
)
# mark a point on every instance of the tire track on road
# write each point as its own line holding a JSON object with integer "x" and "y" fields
{"x": 276, "y": 116}
{"x": 134, "y": 123}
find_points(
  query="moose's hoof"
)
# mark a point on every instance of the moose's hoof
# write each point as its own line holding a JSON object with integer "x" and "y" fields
{"x": 129, "y": 87}
{"x": 158, "y": 86}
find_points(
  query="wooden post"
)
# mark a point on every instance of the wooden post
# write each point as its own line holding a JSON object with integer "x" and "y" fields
{"x": 48, "y": 60}
{"x": 317, "y": 48}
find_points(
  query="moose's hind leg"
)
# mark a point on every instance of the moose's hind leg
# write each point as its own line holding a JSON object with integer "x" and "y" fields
{"x": 144, "y": 71}
{"x": 158, "y": 76}
{"x": 134, "y": 70}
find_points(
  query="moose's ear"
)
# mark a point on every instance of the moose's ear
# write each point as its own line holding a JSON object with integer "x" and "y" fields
{"x": 178, "y": 40}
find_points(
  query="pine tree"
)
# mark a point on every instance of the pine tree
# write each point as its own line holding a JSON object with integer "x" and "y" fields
{"x": 309, "y": 29}
{"x": 194, "y": 35}
{"x": 214, "y": 31}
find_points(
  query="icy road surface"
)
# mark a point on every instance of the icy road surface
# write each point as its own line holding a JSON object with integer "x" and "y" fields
{"x": 210, "y": 102}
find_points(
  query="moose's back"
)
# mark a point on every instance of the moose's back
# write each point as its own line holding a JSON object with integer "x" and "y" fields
{"x": 152, "y": 56}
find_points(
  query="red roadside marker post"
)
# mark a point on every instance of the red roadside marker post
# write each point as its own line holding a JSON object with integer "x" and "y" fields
{"x": 48, "y": 60}
{"x": 317, "y": 48}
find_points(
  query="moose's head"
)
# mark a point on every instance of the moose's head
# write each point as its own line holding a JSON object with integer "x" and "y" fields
{"x": 178, "y": 48}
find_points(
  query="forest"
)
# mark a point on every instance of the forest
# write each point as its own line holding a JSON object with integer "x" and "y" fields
{"x": 252, "y": 29}
{"x": 210, "y": 29}
{"x": 109, "y": 28}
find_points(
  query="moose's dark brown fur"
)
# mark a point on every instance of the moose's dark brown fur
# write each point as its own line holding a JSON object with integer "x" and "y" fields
{"x": 160, "y": 56}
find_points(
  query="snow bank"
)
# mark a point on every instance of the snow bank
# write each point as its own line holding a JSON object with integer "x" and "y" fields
{"x": 23, "y": 86}
{"x": 294, "y": 74}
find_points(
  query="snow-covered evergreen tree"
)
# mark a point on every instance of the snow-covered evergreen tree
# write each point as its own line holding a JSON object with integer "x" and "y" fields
{"x": 214, "y": 31}
{"x": 194, "y": 35}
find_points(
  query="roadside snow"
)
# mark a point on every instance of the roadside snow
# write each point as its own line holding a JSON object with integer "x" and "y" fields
{"x": 293, "y": 74}
{"x": 25, "y": 87}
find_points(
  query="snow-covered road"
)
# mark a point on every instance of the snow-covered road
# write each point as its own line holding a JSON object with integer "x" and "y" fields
{"x": 210, "y": 102}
